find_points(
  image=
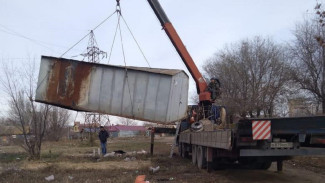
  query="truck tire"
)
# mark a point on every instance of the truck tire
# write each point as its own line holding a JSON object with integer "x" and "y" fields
{"x": 180, "y": 150}
{"x": 194, "y": 160}
{"x": 255, "y": 163}
{"x": 266, "y": 165}
{"x": 200, "y": 157}
{"x": 184, "y": 151}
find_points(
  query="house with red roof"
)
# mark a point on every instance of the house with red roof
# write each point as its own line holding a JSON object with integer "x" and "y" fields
{"x": 125, "y": 131}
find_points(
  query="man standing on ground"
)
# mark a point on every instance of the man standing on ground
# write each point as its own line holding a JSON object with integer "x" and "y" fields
{"x": 103, "y": 135}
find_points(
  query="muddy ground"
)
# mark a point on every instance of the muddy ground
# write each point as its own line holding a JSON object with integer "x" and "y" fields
{"x": 72, "y": 161}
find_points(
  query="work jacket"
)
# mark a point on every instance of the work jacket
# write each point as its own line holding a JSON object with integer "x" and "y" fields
{"x": 103, "y": 135}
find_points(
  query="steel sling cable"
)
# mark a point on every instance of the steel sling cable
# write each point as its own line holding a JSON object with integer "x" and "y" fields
{"x": 110, "y": 53}
{"x": 124, "y": 59}
{"x": 89, "y": 33}
{"x": 145, "y": 58}
{"x": 39, "y": 84}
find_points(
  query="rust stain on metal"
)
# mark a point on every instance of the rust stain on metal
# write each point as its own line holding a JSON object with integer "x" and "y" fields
{"x": 82, "y": 83}
{"x": 83, "y": 86}
{"x": 69, "y": 83}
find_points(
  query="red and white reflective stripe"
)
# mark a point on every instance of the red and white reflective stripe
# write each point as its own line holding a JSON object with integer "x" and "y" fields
{"x": 261, "y": 130}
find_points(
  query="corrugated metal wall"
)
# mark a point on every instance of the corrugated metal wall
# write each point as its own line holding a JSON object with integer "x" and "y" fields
{"x": 156, "y": 95}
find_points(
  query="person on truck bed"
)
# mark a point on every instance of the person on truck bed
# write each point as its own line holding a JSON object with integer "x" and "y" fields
{"x": 214, "y": 88}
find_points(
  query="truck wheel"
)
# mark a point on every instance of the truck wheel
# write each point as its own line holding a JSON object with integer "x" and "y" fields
{"x": 255, "y": 163}
{"x": 266, "y": 165}
{"x": 200, "y": 157}
{"x": 184, "y": 151}
{"x": 180, "y": 149}
{"x": 194, "y": 154}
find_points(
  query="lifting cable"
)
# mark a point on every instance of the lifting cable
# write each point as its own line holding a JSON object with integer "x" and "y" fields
{"x": 145, "y": 58}
{"x": 119, "y": 14}
{"x": 124, "y": 58}
{"x": 88, "y": 33}
{"x": 39, "y": 84}
{"x": 118, "y": 29}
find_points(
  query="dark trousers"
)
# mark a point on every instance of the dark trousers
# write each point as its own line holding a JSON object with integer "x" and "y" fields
{"x": 103, "y": 147}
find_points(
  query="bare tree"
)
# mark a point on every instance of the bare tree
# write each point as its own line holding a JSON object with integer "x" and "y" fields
{"x": 308, "y": 55}
{"x": 57, "y": 121}
{"x": 91, "y": 126}
{"x": 126, "y": 121}
{"x": 3, "y": 121}
{"x": 252, "y": 75}
{"x": 19, "y": 84}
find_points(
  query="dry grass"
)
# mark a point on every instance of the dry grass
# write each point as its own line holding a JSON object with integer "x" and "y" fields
{"x": 73, "y": 158}
{"x": 70, "y": 159}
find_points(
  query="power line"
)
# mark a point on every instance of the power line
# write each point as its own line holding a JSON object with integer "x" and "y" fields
{"x": 78, "y": 43}
{"x": 88, "y": 33}
{"x": 41, "y": 43}
{"x": 13, "y": 33}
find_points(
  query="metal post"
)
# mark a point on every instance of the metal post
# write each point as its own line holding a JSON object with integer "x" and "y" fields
{"x": 152, "y": 140}
{"x": 68, "y": 132}
{"x": 279, "y": 165}
{"x": 209, "y": 157}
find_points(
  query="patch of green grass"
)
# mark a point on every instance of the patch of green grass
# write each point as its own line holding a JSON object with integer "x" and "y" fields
{"x": 12, "y": 157}
{"x": 50, "y": 156}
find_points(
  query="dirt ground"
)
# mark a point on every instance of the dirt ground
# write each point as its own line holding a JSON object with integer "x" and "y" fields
{"x": 72, "y": 161}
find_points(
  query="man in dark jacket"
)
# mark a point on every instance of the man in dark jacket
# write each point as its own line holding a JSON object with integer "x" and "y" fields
{"x": 103, "y": 135}
{"x": 214, "y": 88}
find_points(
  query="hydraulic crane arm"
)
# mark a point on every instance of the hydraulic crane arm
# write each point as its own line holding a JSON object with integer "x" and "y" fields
{"x": 181, "y": 49}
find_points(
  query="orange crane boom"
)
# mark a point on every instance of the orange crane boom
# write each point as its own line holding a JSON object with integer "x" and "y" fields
{"x": 201, "y": 85}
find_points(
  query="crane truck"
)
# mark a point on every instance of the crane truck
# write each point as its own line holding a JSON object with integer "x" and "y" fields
{"x": 251, "y": 143}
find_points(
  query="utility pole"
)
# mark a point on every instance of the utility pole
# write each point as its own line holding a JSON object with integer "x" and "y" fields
{"x": 93, "y": 55}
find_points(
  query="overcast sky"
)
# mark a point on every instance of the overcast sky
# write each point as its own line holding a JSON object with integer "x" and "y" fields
{"x": 205, "y": 26}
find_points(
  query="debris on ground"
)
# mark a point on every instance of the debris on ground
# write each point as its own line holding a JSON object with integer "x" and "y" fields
{"x": 120, "y": 152}
{"x": 142, "y": 152}
{"x": 154, "y": 170}
{"x": 166, "y": 179}
{"x": 141, "y": 179}
{"x": 131, "y": 153}
{"x": 49, "y": 178}
{"x": 127, "y": 159}
{"x": 130, "y": 159}
{"x": 70, "y": 177}
{"x": 111, "y": 154}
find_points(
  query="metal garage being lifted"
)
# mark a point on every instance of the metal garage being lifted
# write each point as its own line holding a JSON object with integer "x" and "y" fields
{"x": 149, "y": 94}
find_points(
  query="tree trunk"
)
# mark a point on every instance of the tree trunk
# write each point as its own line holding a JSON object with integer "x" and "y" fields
{"x": 258, "y": 113}
{"x": 323, "y": 81}
{"x": 323, "y": 106}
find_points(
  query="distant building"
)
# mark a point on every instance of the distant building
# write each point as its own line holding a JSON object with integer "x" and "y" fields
{"x": 299, "y": 107}
{"x": 9, "y": 133}
{"x": 76, "y": 127}
{"x": 125, "y": 131}
{"x": 79, "y": 128}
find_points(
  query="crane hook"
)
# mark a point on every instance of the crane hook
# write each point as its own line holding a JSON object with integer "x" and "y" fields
{"x": 118, "y": 7}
